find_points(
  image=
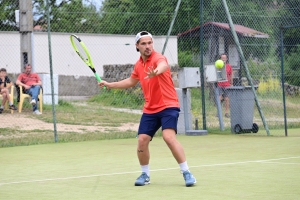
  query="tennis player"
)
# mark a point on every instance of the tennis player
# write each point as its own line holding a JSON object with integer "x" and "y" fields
{"x": 161, "y": 108}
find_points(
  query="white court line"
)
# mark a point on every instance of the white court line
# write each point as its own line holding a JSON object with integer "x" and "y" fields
{"x": 282, "y": 163}
{"x": 245, "y": 162}
{"x": 123, "y": 173}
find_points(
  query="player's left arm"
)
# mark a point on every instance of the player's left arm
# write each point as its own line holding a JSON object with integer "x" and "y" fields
{"x": 162, "y": 66}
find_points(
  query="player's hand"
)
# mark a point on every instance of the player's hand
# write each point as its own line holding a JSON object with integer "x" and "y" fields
{"x": 151, "y": 73}
{"x": 103, "y": 84}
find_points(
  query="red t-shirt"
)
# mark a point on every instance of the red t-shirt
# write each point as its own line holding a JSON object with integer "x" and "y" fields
{"x": 29, "y": 79}
{"x": 229, "y": 75}
{"x": 159, "y": 91}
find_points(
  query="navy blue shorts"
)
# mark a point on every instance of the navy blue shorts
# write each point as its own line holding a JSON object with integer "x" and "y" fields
{"x": 166, "y": 119}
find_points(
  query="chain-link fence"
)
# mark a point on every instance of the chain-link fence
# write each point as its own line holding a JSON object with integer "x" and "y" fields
{"x": 108, "y": 29}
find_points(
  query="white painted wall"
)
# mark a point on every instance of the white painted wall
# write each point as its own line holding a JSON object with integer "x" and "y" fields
{"x": 10, "y": 51}
{"x": 104, "y": 49}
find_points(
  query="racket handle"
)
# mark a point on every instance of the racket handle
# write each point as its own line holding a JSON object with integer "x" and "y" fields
{"x": 99, "y": 79}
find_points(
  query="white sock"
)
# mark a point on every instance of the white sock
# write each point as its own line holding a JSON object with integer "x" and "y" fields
{"x": 2, "y": 106}
{"x": 184, "y": 166}
{"x": 10, "y": 103}
{"x": 146, "y": 169}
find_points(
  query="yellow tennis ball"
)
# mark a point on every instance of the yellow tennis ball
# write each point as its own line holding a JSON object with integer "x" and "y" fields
{"x": 219, "y": 64}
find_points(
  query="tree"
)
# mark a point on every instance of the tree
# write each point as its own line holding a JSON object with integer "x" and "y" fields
{"x": 68, "y": 16}
{"x": 292, "y": 35}
{"x": 7, "y": 15}
{"x": 116, "y": 16}
{"x": 292, "y": 69}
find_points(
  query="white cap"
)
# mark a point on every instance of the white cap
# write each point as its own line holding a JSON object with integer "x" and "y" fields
{"x": 141, "y": 35}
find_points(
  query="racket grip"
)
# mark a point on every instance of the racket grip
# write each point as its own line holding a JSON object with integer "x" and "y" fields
{"x": 99, "y": 79}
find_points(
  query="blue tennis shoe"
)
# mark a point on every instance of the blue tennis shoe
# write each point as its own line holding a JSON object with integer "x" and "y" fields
{"x": 190, "y": 180}
{"x": 142, "y": 180}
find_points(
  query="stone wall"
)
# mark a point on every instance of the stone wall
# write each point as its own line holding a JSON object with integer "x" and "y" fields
{"x": 77, "y": 86}
{"x": 291, "y": 90}
{"x": 120, "y": 72}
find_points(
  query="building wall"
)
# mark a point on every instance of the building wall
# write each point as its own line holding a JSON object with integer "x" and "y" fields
{"x": 10, "y": 51}
{"x": 104, "y": 50}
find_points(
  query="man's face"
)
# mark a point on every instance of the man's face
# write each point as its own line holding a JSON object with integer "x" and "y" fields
{"x": 145, "y": 46}
{"x": 2, "y": 74}
{"x": 224, "y": 58}
{"x": 27, "y": 69}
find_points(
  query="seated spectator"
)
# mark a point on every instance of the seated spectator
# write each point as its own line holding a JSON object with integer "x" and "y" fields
{"x": 32, "y": 83}
{"x": 5, "y": 84}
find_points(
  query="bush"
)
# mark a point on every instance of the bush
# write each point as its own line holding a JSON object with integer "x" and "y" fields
{"x": 269, "y": 86}
{"x": 292, "y": 68}
{"x": 122, "y": 98}
{"x": 263, "y": 70}
{"x": 187, "y": 59}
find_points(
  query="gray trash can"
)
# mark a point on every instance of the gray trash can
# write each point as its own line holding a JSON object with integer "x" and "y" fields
{"x": 241, "y": 100}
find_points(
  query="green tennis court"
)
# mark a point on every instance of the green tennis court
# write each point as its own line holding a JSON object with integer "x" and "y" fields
{"x": 226, "y": 167}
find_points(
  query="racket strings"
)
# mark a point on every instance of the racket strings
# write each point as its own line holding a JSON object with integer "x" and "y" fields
{"x": 81, "y": 52}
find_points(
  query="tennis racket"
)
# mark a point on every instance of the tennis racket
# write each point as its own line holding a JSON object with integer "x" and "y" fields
{"x": 84, "y": 54}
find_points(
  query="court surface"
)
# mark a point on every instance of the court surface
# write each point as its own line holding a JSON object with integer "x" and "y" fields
{"x": 226, "y": 167}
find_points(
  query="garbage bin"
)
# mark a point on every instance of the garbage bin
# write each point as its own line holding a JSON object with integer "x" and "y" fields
{"x": 241, "y": 100}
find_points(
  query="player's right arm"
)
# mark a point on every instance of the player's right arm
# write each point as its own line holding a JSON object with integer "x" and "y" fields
{"x": 126, "y": 83}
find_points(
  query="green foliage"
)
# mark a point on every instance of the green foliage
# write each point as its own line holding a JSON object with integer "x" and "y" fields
{"x": 131, "y": 16}
{"x": 187, "y": 59}
{"x": 292, "y": 67}
{"x": 65, "y": 103}
{"x": 258, "y": 48}
{"x": 116, "y": 17}
{"x": 131, "y": 98}
{"x": 70, "y": 16}
{"x": 269, "y": 87}
{"x": 291, "y": 17}
{"x": 7, "y": 15}
{"x": 263, "y": 70}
